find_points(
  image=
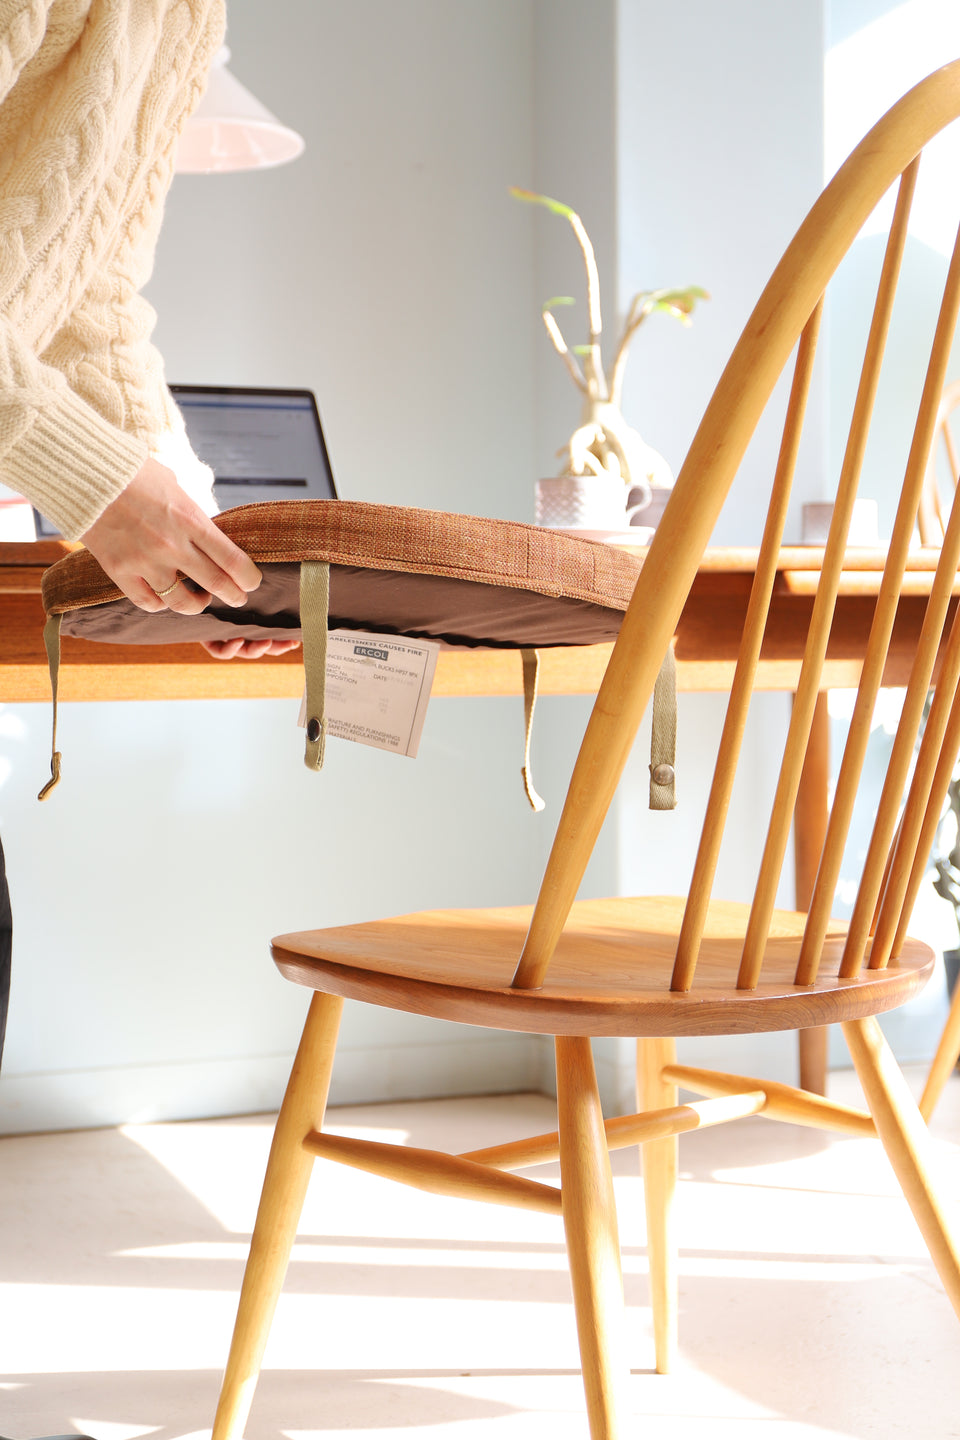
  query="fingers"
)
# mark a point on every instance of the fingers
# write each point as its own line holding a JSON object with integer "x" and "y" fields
{"x": 222, "y": 649}
{"x": 153, "y": 532}
{"x": 142, "y": 595}
{"x": 211, "y": 579}
{"x": 183, "y": 598}
{"x": 223, "y": 568}
{"x": 247, "y": 649}
{"x": 186, "y": 599}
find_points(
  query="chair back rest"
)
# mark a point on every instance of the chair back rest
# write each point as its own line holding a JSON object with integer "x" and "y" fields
{"x": 787, "y": 320}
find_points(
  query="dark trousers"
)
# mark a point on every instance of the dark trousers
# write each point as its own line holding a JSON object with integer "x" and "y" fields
{"x": 5, "y": 947}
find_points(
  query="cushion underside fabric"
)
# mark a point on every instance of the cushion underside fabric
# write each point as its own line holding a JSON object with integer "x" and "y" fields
{"x": 432, "y": 607}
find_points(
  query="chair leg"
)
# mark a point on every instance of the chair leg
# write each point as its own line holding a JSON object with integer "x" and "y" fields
{"x": 281, "y": 1201}
{"x": 906, "y": 1140}
{"x": 948, "y": 1051}
{"x": 659, "y": 1162}
{"x": 590, "y": 1222}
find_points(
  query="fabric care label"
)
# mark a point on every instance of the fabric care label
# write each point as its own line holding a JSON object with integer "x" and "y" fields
{"x": 377, "y": 689}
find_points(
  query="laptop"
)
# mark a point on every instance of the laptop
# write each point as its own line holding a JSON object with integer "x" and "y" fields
{"x": 260, "y": 444}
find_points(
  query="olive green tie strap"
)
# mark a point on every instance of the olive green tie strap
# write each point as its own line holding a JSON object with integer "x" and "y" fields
{"x": 314, "y": 608}
{"x": 51, "y": 640}
{"x": 531, "y": 676}
{"x": 663, "y": 737}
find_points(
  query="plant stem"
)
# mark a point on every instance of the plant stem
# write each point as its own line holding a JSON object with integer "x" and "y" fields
{"x": 596, "y": 381}
{"x": 560, "y": 345}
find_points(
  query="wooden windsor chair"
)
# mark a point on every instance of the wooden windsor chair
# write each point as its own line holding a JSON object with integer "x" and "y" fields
{"x": 656, "y": 968}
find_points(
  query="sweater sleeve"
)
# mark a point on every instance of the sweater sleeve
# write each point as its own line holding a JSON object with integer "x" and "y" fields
{"x": 55, "y": 448}
{"x": 89, "y": 154}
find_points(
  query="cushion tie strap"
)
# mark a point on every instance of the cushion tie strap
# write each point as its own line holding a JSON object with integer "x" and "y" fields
{"x": 531, "y": 676}
{"x": 51, "y": 640}
{"x": 314, "y": 607}
{"x": 663, "y": 737}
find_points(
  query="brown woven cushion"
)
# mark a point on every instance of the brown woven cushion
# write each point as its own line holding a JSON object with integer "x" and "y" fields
{"x": 459, "y": 579}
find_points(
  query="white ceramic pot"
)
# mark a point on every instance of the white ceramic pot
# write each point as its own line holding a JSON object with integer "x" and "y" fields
{"x": 648, "y": 514}
{"x": 583, "y": 502}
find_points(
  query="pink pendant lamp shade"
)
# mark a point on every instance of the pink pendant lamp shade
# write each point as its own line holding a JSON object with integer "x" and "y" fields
{"x": 231, "y": 130}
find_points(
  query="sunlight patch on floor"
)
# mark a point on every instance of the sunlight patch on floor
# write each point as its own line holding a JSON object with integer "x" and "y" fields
{"x": 411, "y": 1311}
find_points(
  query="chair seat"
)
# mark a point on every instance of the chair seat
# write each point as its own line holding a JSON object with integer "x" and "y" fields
{"x": 610, "y": 974}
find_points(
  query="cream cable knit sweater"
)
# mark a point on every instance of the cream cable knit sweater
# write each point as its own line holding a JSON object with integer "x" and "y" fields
{"x": 93, "y": 94}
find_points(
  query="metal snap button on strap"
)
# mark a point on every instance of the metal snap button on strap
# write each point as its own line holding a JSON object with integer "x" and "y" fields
{"x": 314, "y": 606}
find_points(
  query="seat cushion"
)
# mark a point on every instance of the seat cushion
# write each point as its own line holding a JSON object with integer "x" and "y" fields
{"x": 461, "y": 580}
{"x": 610, "y": 974}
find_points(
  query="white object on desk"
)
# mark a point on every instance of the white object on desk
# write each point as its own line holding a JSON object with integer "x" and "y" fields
{"x": 632, "y": 535}
{"x": 864, "y": 523}
{"x": 16, "y": 516}
{"x": 583, "y": 503}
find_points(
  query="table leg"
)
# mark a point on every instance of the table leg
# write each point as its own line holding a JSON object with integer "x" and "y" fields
{"x": 809, "y": 831}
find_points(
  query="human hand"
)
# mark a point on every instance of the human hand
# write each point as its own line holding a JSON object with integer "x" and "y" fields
{"x": 153, "y": 536}
{"x": 247, "y": 649}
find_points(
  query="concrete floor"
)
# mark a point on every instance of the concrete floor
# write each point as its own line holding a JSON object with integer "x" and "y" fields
{"x": 808, "y": 1305}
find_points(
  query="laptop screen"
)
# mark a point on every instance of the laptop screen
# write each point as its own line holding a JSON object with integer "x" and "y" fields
{"x": 260, "y": 444}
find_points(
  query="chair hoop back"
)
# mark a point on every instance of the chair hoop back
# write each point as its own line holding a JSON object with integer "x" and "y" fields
{"x": 787, "y": 320}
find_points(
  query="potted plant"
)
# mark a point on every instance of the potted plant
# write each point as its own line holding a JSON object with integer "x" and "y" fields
{"x": 604, "y": 444}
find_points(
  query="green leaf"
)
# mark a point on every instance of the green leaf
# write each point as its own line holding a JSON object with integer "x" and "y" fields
{"x": 678, "y": 303}
{"x": 530, "y": 197}
{"x": 679, "y": 299}
{"x": 558, "y": 300}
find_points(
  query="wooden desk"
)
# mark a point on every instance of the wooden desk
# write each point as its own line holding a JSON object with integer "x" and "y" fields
{"x": 706, "y": 647}
{"x": 707, "y": 640}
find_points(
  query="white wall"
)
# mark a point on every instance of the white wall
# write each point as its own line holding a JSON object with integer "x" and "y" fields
{"x": 574, "y": 161}
{"x": 387, "y": 268}
{"x": 875, "y": 53}
{"x": 720, "y": 157}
